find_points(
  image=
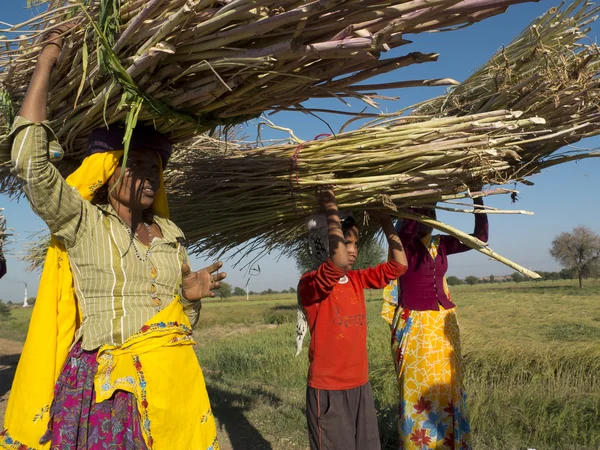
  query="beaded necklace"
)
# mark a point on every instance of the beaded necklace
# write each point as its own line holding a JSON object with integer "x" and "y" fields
{"x": 150, "y": 237}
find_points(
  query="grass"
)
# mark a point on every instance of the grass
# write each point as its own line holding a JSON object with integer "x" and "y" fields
{"x": 15, "y": 328}
{"x": 531, "y": 357}
{"x": 532, "y": 365}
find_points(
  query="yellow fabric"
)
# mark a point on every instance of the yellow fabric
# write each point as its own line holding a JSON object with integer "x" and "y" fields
{"x": 427, "y": 358}
{"x": 390, "y": 296}
{"x": 54, "y": 321}
{"x": 173, "y": 404}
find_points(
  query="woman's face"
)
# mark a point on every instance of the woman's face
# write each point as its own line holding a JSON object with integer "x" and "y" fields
{"x": 424, "y": 229}
{"x": 140, "y": 180}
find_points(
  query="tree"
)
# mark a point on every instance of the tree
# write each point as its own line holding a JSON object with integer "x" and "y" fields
{"x": 5, "y": 311}
{"x": 453, "y": 281}
{"x": 566, "y": 274}
{"x": 553, "y": 276}
{"x": 238, "y": 291}
{"x": 578, "y": 251}
{"x": 31, "y": 301}
{"x": 492, "y": 278}
{"x": 292, "y": 290}
{"x": 225, "y": 290}
{"x": 517, "y": 277}
{"x": 370, "y": 253}
{"x": 471, "y": 280}
{"x": 543, "y": 275}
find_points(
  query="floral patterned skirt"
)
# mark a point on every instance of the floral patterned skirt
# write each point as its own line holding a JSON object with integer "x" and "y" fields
{"x": 427, "y": 356}
{"x": 78, "y": 422}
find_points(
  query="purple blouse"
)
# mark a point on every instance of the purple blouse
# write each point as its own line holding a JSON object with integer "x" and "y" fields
{"x": 421, "y": 287}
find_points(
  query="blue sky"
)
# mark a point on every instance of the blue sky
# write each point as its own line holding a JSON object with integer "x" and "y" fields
{"x": 562, "y": 197}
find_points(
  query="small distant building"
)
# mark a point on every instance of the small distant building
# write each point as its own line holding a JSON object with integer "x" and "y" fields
{"x": 25, "y": 304}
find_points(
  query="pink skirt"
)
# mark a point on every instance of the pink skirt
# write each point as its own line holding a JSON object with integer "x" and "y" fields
{"x": 78, "y": 422}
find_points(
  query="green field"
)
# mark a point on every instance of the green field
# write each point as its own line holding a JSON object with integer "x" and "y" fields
{"x": 15, "y": 328}
{"x": 532, "y": 366}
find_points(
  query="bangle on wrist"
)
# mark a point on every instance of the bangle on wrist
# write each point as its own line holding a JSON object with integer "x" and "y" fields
{"x": 52, "y": 43}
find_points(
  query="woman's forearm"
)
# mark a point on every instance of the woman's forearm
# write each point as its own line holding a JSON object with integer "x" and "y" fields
{"x": 60, "y": 206}
{"x": 481, "y": 230}
{"x": 35, "y": 104}
{"x": 396, "y": 249}
{"x": 36, "y": 100}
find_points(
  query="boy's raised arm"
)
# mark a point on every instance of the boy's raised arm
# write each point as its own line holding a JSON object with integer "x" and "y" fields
{"x": 337, "y": 242}
{"x": 378, "y": 277}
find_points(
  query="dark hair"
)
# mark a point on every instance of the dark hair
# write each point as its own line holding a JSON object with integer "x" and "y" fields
{"x": 348, "y": 223}
{"x": 101, "y": 195}
{"x": 143, "y": 137}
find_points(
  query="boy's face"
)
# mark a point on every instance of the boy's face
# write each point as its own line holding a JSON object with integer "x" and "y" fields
{"x": 351, "y": 237}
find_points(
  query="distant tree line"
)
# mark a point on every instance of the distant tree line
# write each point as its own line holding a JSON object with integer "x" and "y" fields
{"x": 564, "y": 274}
{"x": 578, "y": 252}
{"x": 226, "y": 290}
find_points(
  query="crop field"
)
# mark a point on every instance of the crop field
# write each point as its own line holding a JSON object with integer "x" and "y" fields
{"x": 531, "y": 354}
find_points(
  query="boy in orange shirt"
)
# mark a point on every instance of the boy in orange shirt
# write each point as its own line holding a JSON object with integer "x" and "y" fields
{"x": 340, "y": 409}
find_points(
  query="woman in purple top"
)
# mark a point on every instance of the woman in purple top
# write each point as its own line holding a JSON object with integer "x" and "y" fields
{"x": 426, "y": 340}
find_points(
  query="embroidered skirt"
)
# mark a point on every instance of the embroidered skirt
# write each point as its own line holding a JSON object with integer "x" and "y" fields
{"x": 427, "y": 357}
{"x": 78, "y": 422}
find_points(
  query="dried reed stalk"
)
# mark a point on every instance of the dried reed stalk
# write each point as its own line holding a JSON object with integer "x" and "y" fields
{"x": 256, "y": 199}
{"x": 186, "y": 66}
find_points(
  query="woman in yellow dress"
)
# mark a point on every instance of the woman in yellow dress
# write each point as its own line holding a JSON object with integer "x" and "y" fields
{"x": 109, "y": 360}
{"x": 426, "y": 340}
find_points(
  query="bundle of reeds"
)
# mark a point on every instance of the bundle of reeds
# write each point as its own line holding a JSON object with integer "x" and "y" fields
{"x": 186, "y": 66}
{"x": 35, "y": 250}
{"x": 551, "y": 70}
{"x": 4, "y": 233}
{"x": 258, "y": 198}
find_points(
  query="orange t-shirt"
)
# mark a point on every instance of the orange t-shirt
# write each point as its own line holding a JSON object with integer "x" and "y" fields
{"x": 336, "y": 315}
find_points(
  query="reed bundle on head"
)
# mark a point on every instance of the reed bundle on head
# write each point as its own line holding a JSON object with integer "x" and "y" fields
{"x": 186, "y": 66}
{"x": 35, "y": 250}
{"x": 4, "y": 234}
{"x": 502, "y": 125}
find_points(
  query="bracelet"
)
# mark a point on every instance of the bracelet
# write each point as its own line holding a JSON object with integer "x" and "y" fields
{"x": 48, "y": 34}
{"x": 52, "y": 43}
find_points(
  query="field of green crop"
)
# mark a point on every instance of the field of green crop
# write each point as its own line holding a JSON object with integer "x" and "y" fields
{"x": 531, "y": 355}
{"x": 532, "y": 367}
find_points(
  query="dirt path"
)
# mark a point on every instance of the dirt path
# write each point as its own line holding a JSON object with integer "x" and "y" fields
{"x": 9, "y": 357}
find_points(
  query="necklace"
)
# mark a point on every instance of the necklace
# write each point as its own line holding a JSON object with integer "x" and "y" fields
{"x": 150, "y": 238}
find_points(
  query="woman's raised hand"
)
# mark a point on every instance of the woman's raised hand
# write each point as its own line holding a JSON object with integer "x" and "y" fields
{"x": 201, "y": 284}
{"x": 53, "y": 43}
